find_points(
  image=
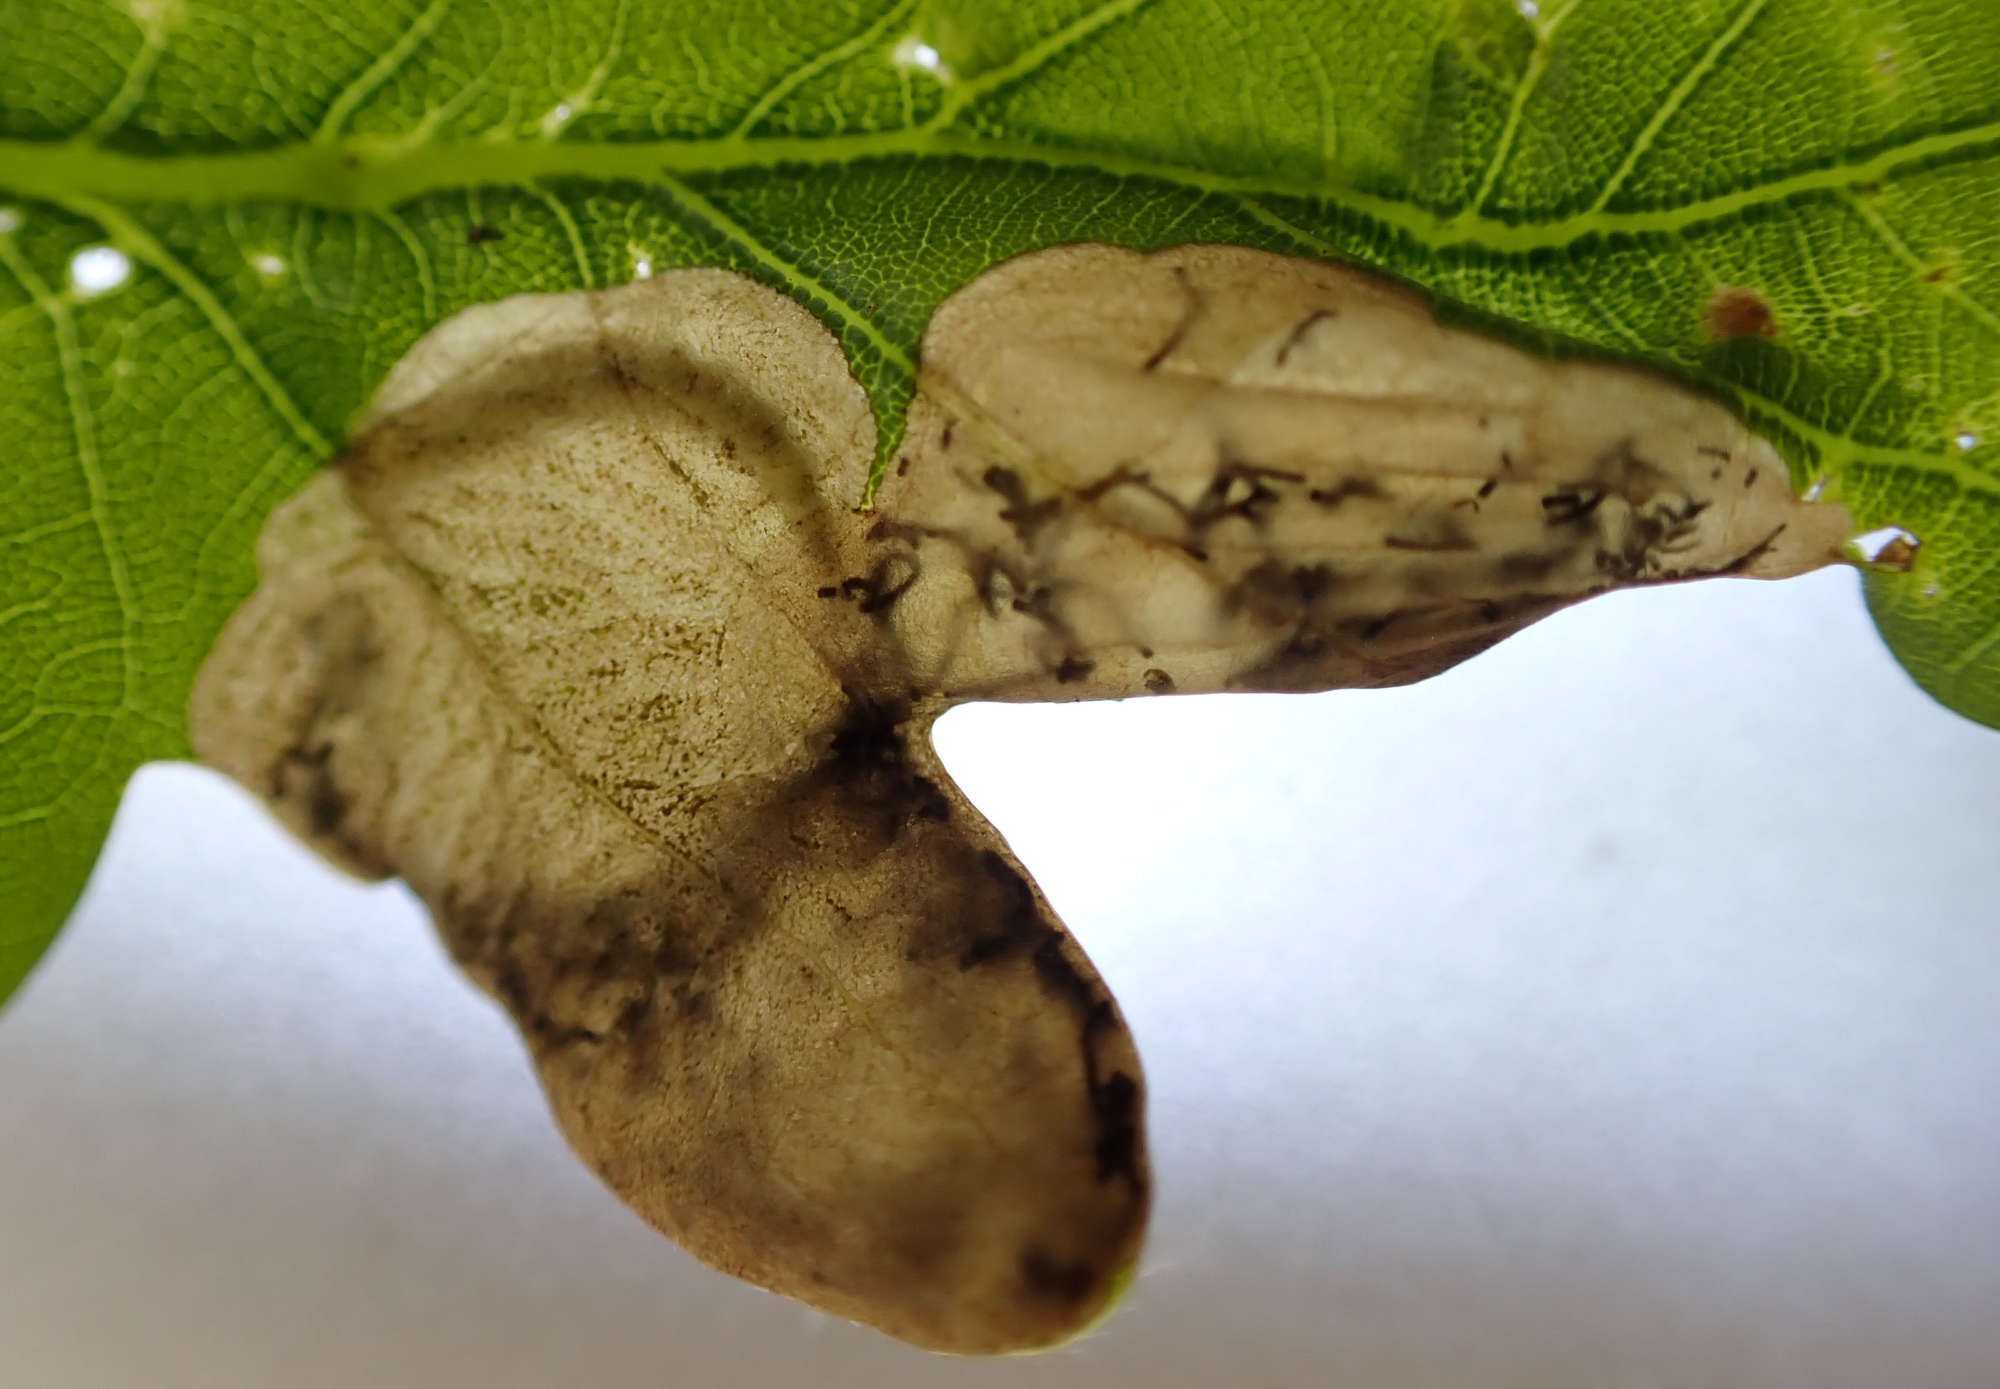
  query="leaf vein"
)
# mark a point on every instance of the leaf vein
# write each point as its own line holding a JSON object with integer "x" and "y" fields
{"x": 1899, "y": 248}
{"x": 560, "y": 211}
{"x": 813, "y": 67}
{"x": 84, "y": 436}
{"x": 789, "y": 273}
{"x": 1676, "y": 99}
{"x": 340, "y": 110}
{"x": 1510, "y": 129}
{"x": 143, "y": 247}
{"x": 1035, "y": 57}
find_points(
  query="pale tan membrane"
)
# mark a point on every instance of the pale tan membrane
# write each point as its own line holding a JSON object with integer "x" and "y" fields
{"x": 586, "y": 640}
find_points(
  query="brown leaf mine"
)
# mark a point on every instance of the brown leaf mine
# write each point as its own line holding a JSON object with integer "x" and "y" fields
{"x": 548, "y": 645}
{"x": 585, "y": 640}
{"x": 1214, "y": 468}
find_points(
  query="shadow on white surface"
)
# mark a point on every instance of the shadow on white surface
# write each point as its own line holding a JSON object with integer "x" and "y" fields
{"x": 1615, "y": 1010}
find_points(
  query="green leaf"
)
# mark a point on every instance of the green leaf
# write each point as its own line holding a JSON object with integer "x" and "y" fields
{"x": 302, "y": 189}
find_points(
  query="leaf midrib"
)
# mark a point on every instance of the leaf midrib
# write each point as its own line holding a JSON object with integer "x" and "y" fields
{"x": 374, "y": 174}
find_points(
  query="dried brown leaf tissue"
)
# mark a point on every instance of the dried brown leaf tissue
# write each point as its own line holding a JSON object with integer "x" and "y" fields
{"x": 587, "y": 638}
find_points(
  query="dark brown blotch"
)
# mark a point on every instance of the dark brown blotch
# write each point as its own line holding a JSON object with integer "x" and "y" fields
{"x": 1023, "y": 513}
{"x": 1017, "y": 929}
{"x": 1346, "y": 488}
{"x": 326, "y": 804}
{"x": 1736, "y": 311}
{"x": 303, "y": 777}
{"x": 1059, "y": 1280}
{"x": 1567, "y": 506}
{"x": 1238, "y": 489}
{"x": 1283, "y": 593}
{"x": 1073, "y": 668}
{"x": 867, "y": 764}
{"x": 877, "y": 592}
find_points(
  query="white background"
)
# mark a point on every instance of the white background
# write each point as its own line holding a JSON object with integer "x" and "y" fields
{"x": 1620, "y": 1009}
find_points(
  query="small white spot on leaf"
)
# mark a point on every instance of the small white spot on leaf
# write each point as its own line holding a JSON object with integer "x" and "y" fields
{"x": 10, "y": 221}
{"x": 642, "y": 268}
{"x": 1528, "y": 9}
{"x": 1965, "y": 441}
{"x": 1817, "y": 490}
{"x": 98, "y": 270}
{"x": 268, "y": 265}
{"x": 913, "y": 52}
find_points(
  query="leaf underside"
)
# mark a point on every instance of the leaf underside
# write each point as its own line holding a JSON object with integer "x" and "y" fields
{"x": 302, "y": 190}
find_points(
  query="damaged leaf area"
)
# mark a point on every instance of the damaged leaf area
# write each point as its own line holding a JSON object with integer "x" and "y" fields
{"x": 1215, "y": 468}
{"x": 586, "y": 640}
